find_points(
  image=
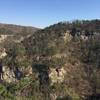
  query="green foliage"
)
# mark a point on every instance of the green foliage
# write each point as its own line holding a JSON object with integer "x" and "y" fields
{"x": 2, "y": 88}
{"x": 5, "y": 94}
{"x": 64, "y": 92}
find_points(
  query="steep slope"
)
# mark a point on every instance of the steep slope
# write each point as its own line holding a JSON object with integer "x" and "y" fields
{"x": 75, "y": 48}
{"x": 60, "y": 62}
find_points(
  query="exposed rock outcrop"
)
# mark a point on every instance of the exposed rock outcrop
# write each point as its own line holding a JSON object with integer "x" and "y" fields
{"x": 2, "y": 53}
{"x": 2, "y": 38}
{"x": 67, "y": 36}
{"x": 57, "y": 76}
{"x": 8, "y": 75}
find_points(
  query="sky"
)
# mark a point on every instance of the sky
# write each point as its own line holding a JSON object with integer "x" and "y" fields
{"x": 42, "y": 13}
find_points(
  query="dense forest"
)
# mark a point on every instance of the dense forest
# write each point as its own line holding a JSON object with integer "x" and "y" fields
{"x": 59, "y": 62}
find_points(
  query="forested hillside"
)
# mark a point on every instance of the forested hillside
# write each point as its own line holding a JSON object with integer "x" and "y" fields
{"x": 59, "y": 62}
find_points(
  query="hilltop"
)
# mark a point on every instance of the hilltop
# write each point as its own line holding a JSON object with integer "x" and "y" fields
{"x": 15, "y": 29}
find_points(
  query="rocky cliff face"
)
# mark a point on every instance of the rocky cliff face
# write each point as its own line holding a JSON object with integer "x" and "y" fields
{"x": 57, "y": 76}
{"x": 8, "y": 75}
{"x": 2, "y": 38}
{"x": 2, "y": 53}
